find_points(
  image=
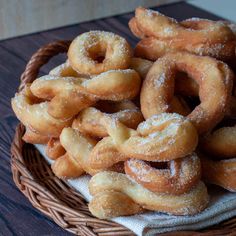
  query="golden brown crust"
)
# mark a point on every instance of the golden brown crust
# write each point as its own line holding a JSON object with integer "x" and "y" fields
{"x": 35, "y": 115}
{"x": 220, "y": 172}
{"x": 78, "y": 148}
{"x": 189, "y": 203}
{"x": 158, "y": 87}
{"x": 110, "y": 204}
{"x": 221, "y": 143}
{"x": 182, "y": 174}
{"x": 65, "y": 92}
{"x": 160, "y": 34}
{"x": 85, "y": 50}
{"x": 153, "y": 23}
{"x": 140, "y": 65}
{"x": 33, "y": 137}
{"x": 54, "y": 149}
{"x": 164, "y": 137}
{"x": 66, "y": 167}
{"x": 90, "y": 120}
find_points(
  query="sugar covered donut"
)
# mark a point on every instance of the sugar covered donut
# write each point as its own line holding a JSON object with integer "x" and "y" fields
{"x": 35, "y": 115}
{"x": 86, "y": 50}
{"x": 180, "y": 176}
{"x": 54, "y": 149}
{"x": 160, "y": 34}
{"x": 189, "y": 203}
{"x": 89, "y": 121}
{"x": 163, "y": 137}
{"x": 211, "y": 75}
{"x": 65, "y": 92}
{"x": 155, "y": 24}
{"x": 220, "y": 172}
{"x": 221, "y": 143}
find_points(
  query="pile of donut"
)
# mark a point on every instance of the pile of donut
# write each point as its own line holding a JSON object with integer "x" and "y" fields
{"x": 150, "y": 125}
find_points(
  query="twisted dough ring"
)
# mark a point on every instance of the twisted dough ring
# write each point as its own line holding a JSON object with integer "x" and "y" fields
{"x": 152, "y": 49}
{"x": 161, "y": 34}
{"x": 189, "y": 203}
{"x": 153, "y": 23}
{"x": 220, "y": 143}
{"x": 35, "y": 115}
{"x": 78, "y": 148}
{"x": 90, "y": 120}
{"x": 211, "y": 75}
{"x": 65, "y": 92}
{"x": 85, "y": 50}
{"x": 160, "y": 138}
{"x": 179, "y": 178}
{"x": 220, "y": 172}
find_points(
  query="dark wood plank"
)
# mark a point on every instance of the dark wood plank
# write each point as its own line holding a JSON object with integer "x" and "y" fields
{"x": 17, "y": 216}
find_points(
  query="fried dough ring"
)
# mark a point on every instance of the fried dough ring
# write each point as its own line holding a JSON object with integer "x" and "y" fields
{"x": 220, "y": 172}
{"x": 110, "y": 204}
{"x": 182, "y": 174}
{"x": 36, "y": 116}
{"x": 178, "y": 105}
{"x": 85, "y": 50}
{"x": 89, "y": 121}
{"x": 160, "y": 138}
{"x": 154, "y": 24}
{"x": 30, "y": 136}
{"x": 211, "y": 75}
{"x": 151, "y": 48}
{"x": 65, "y": 92}
{"x": 199, "y": 36}
{"x": 54, "y": 149}
{"x": 221, "y": 143}
{"x": 188, "y": 87}
{"x": 189, "y": 203}
{"x": 78, "y": 148}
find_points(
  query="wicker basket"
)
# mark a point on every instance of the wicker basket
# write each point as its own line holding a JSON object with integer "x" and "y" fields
{"x": 52, "y": 196}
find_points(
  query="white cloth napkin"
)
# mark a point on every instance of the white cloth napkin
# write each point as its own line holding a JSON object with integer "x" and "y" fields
{"x": 222, "y": 206}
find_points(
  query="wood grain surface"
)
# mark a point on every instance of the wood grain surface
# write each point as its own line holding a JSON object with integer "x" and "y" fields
{"x": 17, "y": 216}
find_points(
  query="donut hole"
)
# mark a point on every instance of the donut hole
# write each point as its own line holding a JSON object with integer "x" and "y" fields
{"x": 158, "y": 165}
{"x": 187, "y": 90}
{"x": 110, "y": 107}
{"x": 227, "y": 122}
{"x": 98, "y": 52}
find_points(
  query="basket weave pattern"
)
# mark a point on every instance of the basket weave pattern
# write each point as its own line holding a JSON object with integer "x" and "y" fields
{"x": 52, "y": 196}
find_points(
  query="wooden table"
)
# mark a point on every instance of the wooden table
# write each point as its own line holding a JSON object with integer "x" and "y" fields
{"x": 17, "y": 215}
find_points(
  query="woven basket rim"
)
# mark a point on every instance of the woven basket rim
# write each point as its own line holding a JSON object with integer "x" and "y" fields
{"x": 79, "y": 222}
